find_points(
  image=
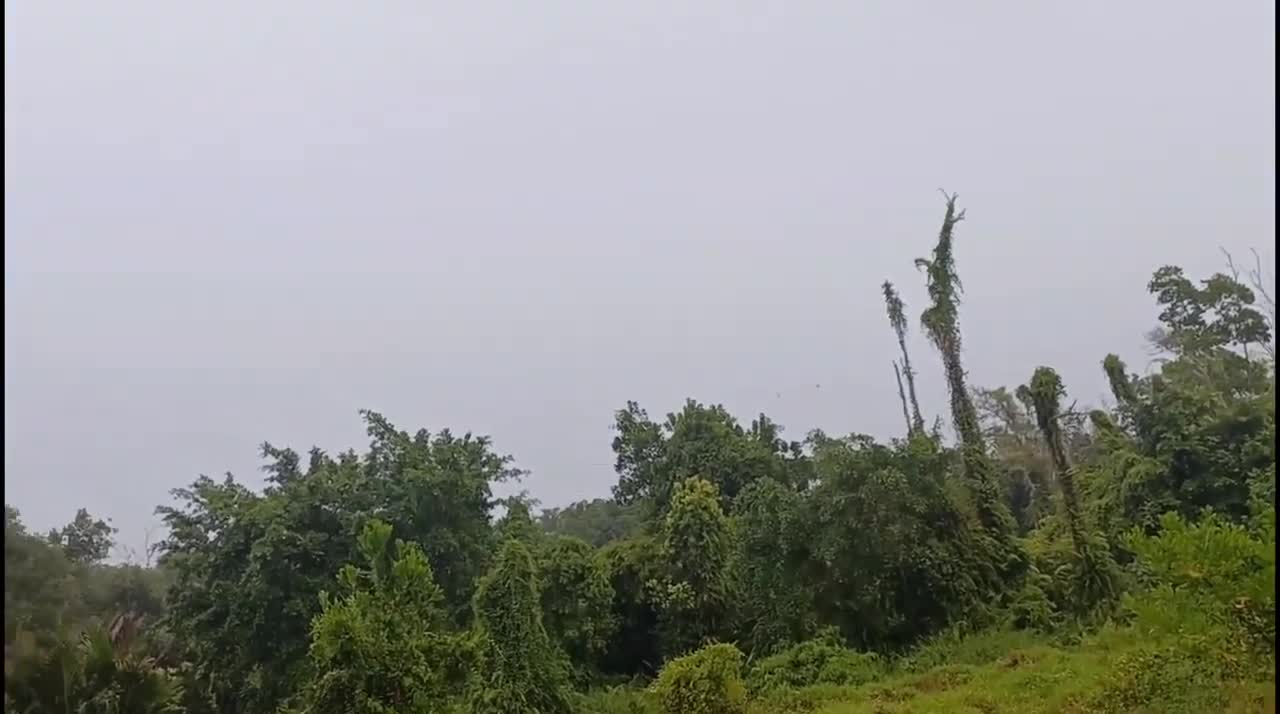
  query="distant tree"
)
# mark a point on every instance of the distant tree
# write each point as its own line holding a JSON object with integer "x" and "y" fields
{"x": 597, "y": 522}
{"x": 702, "y": 441}
{"x": 85, "y": 539}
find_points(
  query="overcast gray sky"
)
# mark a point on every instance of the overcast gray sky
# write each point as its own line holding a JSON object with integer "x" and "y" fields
{"x": 229, "y": 221}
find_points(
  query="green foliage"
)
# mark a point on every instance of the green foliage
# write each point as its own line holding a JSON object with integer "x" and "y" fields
{"x": 598, "y": 522}
{"x": 898, "y": 320}
{"x": 105, "y": 672}
{"x": 1211, "y": 579}
{"x": 520, "y": 670}
{"x": 85, "y": 539}
{"x": 617, "y": 700}
{"x": 896, "y": 552}
{"x": 383, "y": 645}
{"x": 774, "y": 603}
{"x": 1179, "y": 678}
{"x": 1200, "y": 433}
{"x": 1194, "y": 319}
{"x": 693, "y": 596}
{"x": 822, "y": 660}
{"x": 1088, "y": 576}
{"x": 39, "y": 582}
{"x": 941, "y": 323}
{"x": 248, "y": 566}
{"x": 962, "y": 646}
{"x": 51, "y": 597}
{"x": 576, "y": 600}
{"x": 451, "y": 600}
{"x": 631, "y": 566}
{"x": 708, "y": 681}
{"x": 702, "y": 441}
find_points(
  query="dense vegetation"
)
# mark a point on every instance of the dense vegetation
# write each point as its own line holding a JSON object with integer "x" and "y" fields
{"x": 1046, "y": 559}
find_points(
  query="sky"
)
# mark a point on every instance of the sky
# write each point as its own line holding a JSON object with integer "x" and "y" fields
{"x": 234, "y": 222}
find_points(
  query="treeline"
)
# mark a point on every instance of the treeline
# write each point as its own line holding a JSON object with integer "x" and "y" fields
{"x": 382, "y": 581}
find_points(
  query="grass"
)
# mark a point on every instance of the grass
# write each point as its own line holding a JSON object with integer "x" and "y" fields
{"x": 1105, "y": 674}
{"x": 1112, "y": 672}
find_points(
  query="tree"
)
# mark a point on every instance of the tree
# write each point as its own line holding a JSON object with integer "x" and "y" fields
{"x": 701, "y": 441}
{"x": 383, "y": 644}
{"x": 772, "y": 567}
{"x": 1091, "y": 574}
{"x": 632, "y": 566}
{"x": 693, "y": 596}
{"x": 521, "y": 671}
{"x": 598, "y": 522}
{"x": 895, "y": 552}
{"x": 248, "y": 566}
{"x": 40, "y": 592}
{"x": 576, "y": 600}
{"x": 898, "y": 320}
{"x": 1045, "y": 393}
{"x": 1219, "y": 314}
{"x": 1199, "y": 432}
{"x": 85, "y": 539}
{"x": 941, "y": 324}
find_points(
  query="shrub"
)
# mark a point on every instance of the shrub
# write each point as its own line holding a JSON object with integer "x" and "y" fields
{"x": 823, "y": 660}
{"x": 1212, "y": 579}
{"x": 708, "y": 681}
{"x": 1179, "y": 678}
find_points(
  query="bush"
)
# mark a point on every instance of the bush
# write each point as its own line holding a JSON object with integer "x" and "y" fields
{"x": 1183, "y": 677}
{"x": 709, "y": 681}
{"x": 1212, "y": 579}
{"x": 823, "y": 660}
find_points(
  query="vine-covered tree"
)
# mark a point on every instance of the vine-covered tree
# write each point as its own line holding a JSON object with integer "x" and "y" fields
{"x": 693, "y": 597}
{"x": 898, "y": 320}
{"x": 941, "y": 323}
{"x": 520, "y": 670}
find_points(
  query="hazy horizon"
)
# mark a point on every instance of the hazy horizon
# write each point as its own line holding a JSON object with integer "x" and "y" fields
{"x": 224, "y": 228}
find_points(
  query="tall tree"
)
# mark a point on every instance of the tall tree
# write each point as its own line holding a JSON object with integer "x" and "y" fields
{"x": 902, "y": 397}
{"x": 1045, "y": 392}
{"x": 1090, "y": 576}
{"x": 898, "y": 319}
{"x": 941, "y": 323}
